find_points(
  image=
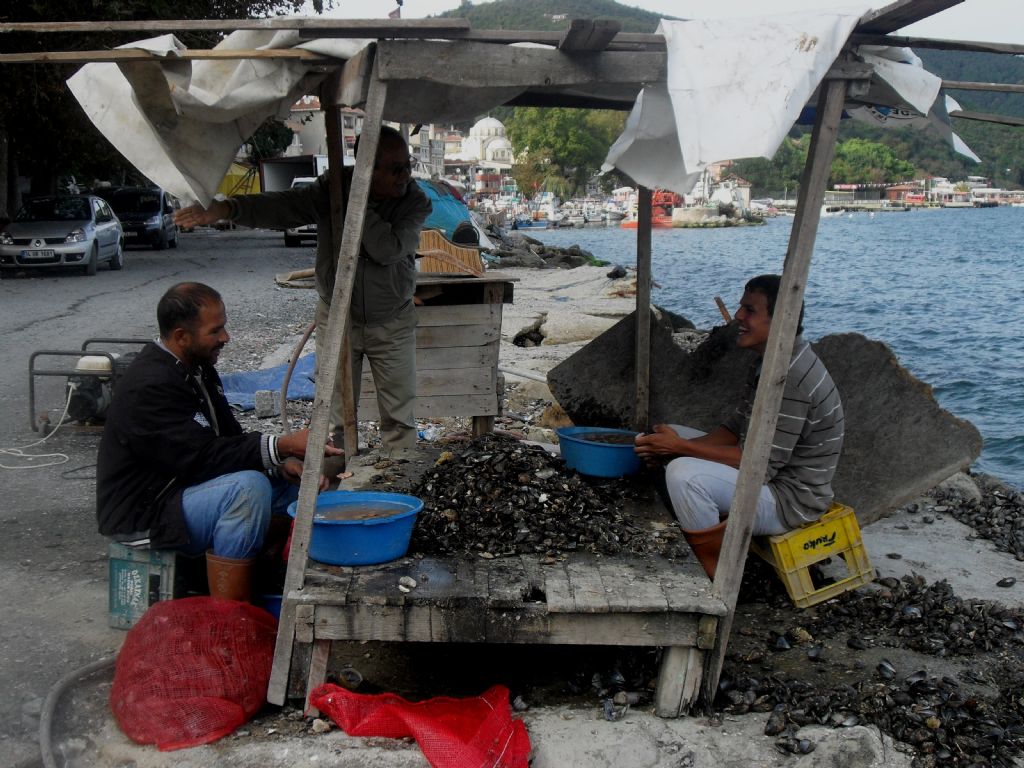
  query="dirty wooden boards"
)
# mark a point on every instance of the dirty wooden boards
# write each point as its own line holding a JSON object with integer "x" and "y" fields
{"x": 585, "y": 600}
{"x": 456, "y": 349}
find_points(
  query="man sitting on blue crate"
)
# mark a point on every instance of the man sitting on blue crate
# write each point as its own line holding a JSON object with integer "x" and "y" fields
{"x": 174, "y": 464}
{"x": 703, "y": 467}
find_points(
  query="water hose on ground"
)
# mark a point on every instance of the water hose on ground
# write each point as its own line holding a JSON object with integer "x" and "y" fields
{"x": 50, "y": 705}
{"x": 300, "y": 344}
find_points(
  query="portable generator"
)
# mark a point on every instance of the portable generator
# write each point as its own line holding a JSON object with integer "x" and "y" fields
{"x": 90, "y": 382}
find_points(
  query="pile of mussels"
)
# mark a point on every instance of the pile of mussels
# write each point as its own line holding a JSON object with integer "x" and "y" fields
{"x": 499, "y": 496}
{"x": 946, "y": 725}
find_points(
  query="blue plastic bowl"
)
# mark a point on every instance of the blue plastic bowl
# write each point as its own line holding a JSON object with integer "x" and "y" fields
{"x": 598, "y": 459}
{"x": 361, "y": 541}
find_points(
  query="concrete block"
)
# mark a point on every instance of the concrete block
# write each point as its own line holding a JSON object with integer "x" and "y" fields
{"x": 267, "y": 403}
{"x": 899, "y": 442}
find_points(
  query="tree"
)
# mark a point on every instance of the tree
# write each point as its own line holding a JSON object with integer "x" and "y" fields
{"x": 574, "y": 141}
{"x": 42, "y": 127}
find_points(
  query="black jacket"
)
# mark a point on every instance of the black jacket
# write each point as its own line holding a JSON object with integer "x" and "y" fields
{"x": 158, "y": 440}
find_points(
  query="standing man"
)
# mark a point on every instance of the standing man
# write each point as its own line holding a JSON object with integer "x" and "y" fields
{"x": 703, "y": 467}
{"x": 383, "y": 318}
{"x": 175, "y": 465}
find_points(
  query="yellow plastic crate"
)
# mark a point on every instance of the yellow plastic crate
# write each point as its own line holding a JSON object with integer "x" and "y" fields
{"x": 835, "y": 533}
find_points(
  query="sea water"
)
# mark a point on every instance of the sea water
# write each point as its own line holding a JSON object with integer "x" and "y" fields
{"x": 941, "y": 287}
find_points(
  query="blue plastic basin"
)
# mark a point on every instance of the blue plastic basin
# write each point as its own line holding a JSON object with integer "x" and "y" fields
{"x": 596, "y": 458}
{"x": 361, "y": 541}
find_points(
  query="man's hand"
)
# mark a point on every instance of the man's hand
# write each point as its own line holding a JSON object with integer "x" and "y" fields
{"x": 291, "y": 470}
{"x": 195, "y": 215}
{"x": 663, "y": 443}
{"x": 294, "y": 444}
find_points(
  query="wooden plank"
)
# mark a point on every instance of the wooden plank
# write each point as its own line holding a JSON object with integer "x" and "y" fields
{"x": 352, "y": 85}
{"x": 587, "y": 587}
{"x": 986, "y": 117}
{"x": 624, "y": 41}
{"x": 457, "y": 336}
{"x": 507, "y": 584}
{"x": 319, "y": 426}
{"x": 441, "y": 358}
{"x": 630, "y": 590}
{"x": 642, "y": 341}
{"x": 900, "y": 14}
{"x": 438, "y": 406}
{"x": 317, "y": 672}
{"x": 123, "y": 55}
{"x": 534, "y": 577}
{"x": 961, "y": 85}
{"x": 304, "y": 623}
{"x": 765, "y": 414}
{"x": 458, "y": 64}
{"x": 449, "y": 381}
{"x": 686, "y": 588}
{"x": 457, "y": 314}
{"x": 558, "y": 590}
{"x": 945, "y": 45}
{"x": 483, "y": 425}
{"x": 679, "y": 679}
{"x": 339, "y": 27}
{"x": 589, "y": 34}
{"x": 531, "y": 624}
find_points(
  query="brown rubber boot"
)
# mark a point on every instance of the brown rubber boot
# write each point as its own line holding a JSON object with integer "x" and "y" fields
{"x": 229, "y": 578}
{"x": 706, "y": 544}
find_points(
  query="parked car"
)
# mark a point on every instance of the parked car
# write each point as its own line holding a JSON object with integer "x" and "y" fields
{"x": 63, "y": 231}
{"x": 295, "y": 235}
{"x": 147, "y": 215}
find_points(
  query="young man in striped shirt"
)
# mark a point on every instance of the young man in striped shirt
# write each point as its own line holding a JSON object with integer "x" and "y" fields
{"x": 702, "y": 470}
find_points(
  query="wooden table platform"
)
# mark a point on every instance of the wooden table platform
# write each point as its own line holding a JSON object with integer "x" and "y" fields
{"x": 583, "y": 600}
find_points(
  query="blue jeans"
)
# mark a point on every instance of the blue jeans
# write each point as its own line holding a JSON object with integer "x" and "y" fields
{"x": 230, "y": 513}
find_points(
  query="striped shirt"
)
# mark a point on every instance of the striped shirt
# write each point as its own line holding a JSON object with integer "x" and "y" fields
{"x": 808, "y": 437}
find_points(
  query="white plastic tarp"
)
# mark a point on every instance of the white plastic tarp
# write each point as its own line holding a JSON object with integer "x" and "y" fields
{"x": 736, "y": 86}
{"x": 181, "y": 122}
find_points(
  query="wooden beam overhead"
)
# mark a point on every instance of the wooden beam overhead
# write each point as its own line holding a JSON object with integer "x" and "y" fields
{"x": 589, "y": 35}
{"x": 508, "y": 67}
{"x": 960, "y": 85}
{"x": 986, "y": 117}
{"x": 901, "y": 13}
{"x": 898, "y": 41}
{"x": 338, "y": 27}
{"x": 122, "y": 55}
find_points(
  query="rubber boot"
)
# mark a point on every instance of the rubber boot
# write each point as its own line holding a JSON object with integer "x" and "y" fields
{"x": 229, "y": 578}
{"x": 706, "y": 544}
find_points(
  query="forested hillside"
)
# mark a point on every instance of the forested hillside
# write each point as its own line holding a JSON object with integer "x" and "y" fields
{"x": 1001, "y": 148}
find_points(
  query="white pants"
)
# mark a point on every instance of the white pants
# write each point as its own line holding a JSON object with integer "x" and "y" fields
{"x": 702, "y": 491}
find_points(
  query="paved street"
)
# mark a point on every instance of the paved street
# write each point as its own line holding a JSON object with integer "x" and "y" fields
{"x": 52, "y": 562}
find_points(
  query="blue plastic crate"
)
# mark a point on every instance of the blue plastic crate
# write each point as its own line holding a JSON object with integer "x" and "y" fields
{"x": 138, "y": 578}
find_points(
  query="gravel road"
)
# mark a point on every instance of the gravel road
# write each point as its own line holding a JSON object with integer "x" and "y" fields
{"x": 52, "y": 561}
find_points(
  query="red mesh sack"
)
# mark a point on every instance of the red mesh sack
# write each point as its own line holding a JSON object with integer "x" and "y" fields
{"x": 452, "y": 733}
{"x": 192, "y": 670}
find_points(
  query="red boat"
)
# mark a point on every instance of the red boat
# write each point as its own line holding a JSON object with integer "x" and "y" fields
{"x": 662, "y": 203}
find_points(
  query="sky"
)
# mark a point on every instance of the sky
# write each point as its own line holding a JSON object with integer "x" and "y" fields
{"x": 994, "y": 21}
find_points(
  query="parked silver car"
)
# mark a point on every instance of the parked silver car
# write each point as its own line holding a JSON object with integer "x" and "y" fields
{"x": 70, "y": 230}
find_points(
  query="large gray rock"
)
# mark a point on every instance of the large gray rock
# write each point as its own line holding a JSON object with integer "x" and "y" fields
{"x": 899, "y": 442}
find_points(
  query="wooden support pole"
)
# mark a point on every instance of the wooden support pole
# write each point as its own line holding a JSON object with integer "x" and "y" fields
{"x": 336, "y": 164}
{"x": 341, "y": 300}
{"x": 642, "y": 410}
{"x": 765, "y": 415}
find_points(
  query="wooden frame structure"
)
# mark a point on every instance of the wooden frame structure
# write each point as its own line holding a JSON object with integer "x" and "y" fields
{"x": 592, "y": 65}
